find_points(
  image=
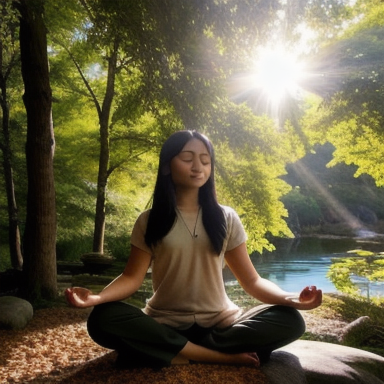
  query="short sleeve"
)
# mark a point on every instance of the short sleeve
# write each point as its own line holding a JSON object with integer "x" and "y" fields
{"x": 138, "y": 232}
{"x": 236, "y": 234}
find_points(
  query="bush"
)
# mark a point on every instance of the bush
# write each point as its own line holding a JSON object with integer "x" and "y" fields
{"x": 304, "y": 208}
{"x": 118, "y": 246}
{"x": 72, "y": 249}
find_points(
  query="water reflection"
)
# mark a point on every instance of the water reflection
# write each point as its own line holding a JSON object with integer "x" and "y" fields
{"x": 297, "y": 263}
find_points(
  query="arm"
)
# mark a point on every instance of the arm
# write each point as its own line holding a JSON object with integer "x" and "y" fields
{"x": 122, "y": 287}
{"x": 264, "y": 290}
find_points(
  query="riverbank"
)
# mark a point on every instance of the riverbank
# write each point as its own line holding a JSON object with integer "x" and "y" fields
{"x": 373, "y": 232}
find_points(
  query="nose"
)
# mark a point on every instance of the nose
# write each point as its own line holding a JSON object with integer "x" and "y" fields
{"x": 196, "y": 166}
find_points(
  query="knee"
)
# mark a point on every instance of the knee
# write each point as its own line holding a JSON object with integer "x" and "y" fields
{"x": 99, "y": 317}
{"x": 105, "y": 317}
{"x": 294, "y": 320}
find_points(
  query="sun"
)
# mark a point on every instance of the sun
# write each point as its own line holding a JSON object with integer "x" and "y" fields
{"x": 274, "y": 75}
{"x": 277, "y": 73}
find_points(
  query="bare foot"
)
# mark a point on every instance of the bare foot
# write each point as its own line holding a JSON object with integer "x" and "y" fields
{"x": 244, "y": 359}
{"x": 201, "y": 354}
{"x": 179, "y": 360}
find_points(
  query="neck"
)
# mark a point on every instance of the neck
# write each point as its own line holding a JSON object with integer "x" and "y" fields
{"x": 187, "y": 200}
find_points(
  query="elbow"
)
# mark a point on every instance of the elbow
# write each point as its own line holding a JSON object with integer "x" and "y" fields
{"x": 250, "y": 287}
{"x": 132, "y": 283}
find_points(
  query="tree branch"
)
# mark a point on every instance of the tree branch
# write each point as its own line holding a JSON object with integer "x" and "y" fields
{"x": 85, "y": 81}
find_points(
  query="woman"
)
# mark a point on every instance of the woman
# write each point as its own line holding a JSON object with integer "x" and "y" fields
{"x": 187, "y": 237}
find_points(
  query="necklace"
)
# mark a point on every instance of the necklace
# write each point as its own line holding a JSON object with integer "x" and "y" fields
{"x": 193, "y": 234}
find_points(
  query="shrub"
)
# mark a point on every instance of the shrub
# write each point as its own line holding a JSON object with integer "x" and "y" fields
{"x": 305, "y": 208}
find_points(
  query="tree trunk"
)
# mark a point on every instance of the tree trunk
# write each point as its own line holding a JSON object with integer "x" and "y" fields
{"x": 13, "y": 222}
{"x": 5, "y": 145}
{"x": 102, "y": 179}
{"x": 40, "y": 280}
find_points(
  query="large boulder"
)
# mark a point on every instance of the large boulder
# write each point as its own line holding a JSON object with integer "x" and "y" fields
{"x": 323, "y": 363}
{"x": 15, "y": 313}
{"x": 284, "y": 368}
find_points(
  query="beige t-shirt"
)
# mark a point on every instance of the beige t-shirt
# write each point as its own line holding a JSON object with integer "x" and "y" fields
{"x": 187, "y": 275}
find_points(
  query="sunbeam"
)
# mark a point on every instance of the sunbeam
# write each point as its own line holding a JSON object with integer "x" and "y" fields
{"x": 277, "y": 73}
{"x": 276, "y": 76}
{"x": 352, "y": 221}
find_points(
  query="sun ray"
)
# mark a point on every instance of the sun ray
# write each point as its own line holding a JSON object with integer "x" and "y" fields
{"x": 277, "y": 72}
{"x": 276, "y": 75}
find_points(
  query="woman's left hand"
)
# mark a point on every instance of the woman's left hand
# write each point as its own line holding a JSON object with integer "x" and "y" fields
{"x": 310, "y": 298}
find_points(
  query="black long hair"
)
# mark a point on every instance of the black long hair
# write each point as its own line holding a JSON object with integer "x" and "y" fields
{"x": 163, "y": 212}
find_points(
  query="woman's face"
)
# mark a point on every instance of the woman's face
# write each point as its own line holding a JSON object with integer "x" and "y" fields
{"x": 191, "y": 168}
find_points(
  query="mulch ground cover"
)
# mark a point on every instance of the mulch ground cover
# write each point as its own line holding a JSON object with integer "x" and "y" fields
{"x": 55, "y": 348}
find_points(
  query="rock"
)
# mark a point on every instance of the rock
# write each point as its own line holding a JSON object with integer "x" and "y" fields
{"x": 15, "y": 313}
{"x": 355, "y": 333}
{"x": 284, "y": 368}
{"x": 366, "y": 215}
{"x": 324, "y": 363}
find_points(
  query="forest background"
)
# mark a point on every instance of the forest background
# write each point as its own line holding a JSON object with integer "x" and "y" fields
{"x": 290, "y": 93}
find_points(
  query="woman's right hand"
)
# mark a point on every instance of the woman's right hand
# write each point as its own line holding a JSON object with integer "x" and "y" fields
{"x": 81, "y": 297}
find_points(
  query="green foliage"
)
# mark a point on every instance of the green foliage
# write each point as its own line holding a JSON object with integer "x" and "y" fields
{"x": 351, "y": 115}
{"x": 249, "y": 164}
{"x": 304, "y": 207}
{"x": 366, "y": 264}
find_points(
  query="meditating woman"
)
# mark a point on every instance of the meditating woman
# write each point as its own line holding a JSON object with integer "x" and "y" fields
{"x": 187, "y": 237}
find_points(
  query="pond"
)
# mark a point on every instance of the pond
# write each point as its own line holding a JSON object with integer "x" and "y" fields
{"x": 297, "y": 263}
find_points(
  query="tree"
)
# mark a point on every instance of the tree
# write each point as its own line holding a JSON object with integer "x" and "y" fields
{"x": 351, "y": 110}
{"x": 105, "y": 40}
{"x": 40, "y": 228}
{"x": 9, "y": 61}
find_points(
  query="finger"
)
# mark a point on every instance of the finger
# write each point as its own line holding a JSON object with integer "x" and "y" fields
{"x": 68, "y": 294}
{"x": 73, "y": 298}
{"x": 305, "y": 294}
{"x": 254, "y": 358}
{"x": 69, "y": 297}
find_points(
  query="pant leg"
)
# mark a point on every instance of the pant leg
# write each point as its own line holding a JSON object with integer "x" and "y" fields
{"x": 272, "y": 328}
{"x": 138, "y": 338}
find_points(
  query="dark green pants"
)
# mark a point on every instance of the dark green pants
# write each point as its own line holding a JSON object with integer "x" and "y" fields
{"x": 141, "y": 340}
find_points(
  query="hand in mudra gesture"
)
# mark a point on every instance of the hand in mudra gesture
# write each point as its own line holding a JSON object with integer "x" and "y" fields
{"x": 80, "y": 297}
{"x": 310, "y": 297}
